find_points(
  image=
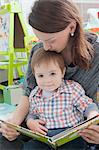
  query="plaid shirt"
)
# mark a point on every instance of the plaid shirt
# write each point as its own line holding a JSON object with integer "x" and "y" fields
{"x": 65, "y": 108}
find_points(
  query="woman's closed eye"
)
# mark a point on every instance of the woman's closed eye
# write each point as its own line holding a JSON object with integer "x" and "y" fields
{"x": 52, "y": 41}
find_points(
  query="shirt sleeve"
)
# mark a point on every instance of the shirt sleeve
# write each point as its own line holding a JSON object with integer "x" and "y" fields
{"x": 32, "y": 106}
{"x": 31, "y": 116}
{"x": 81, "y": 101}
{"x": 91, "y": 107}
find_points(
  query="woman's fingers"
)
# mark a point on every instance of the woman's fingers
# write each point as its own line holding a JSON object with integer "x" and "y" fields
{"x": 88, "y": 140}
{"x": 10, "y": 138}
{"x": 8, "y": 133}
{"x": 7, "y": 129}
{"x": 91, "y": 134}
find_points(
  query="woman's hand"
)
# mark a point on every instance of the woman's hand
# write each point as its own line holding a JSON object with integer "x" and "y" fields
{"x": 17, "y": 118}
{"x": 91, "y": 134}
{"x": 7, "y": 132}
{"x": 37, "y": 126}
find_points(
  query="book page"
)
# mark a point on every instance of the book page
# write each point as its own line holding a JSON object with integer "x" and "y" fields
{"x": 75, "y": 130}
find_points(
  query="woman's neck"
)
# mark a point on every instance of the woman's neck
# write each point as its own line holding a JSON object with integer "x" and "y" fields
{"x": 67, "y": 56}
{"x": 67, "y": 53}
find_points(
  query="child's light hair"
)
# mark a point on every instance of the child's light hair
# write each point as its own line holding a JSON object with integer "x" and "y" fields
{"x": 41, "y": 56}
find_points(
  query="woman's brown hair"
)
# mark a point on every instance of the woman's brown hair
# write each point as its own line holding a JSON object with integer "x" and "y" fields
{"x": 41, "y": 56}
{"x": 51, "y": 16}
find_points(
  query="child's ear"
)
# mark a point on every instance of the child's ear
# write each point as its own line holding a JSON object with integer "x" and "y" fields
{"x": 64, "y": 70}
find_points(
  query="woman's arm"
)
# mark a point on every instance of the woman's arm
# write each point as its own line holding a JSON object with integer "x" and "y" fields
{"x": 16, "y": 118}
{"x": 21, "y": 110}
{"x": 91, "y": 134}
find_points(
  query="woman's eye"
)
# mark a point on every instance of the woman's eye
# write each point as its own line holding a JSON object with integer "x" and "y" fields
{"x": 40, "y": 76}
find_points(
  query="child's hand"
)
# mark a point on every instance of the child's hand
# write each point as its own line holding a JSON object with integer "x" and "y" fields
{"x": 37, "y": 126}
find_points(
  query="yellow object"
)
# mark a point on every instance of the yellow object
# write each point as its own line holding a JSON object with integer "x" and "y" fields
{"x": 17, "y": 52}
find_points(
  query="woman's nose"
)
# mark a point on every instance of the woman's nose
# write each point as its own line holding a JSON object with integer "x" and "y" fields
{"x": 46, "y": 46}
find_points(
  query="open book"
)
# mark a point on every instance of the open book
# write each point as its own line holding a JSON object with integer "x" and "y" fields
{"x": 59, "y": 139}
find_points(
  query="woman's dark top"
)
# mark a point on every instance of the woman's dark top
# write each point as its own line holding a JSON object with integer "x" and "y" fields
{"x": 89, "y": 79}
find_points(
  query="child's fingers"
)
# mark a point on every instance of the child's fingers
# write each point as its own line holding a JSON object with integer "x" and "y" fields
{"x": 43, "y": 128}
{"x": 41, "y": 131}
{"x": 42, "y": 122}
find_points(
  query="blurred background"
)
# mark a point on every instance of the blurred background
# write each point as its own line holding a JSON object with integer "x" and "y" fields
{"x": 89, "y": 10}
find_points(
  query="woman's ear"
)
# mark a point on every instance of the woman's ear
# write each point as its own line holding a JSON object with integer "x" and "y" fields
{"x": 72, "y": 26}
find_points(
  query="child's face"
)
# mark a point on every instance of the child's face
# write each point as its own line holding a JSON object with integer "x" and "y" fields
{"x": 48, "y": 75}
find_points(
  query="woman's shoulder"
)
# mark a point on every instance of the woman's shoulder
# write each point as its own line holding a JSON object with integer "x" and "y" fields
{"x": 37, "y": 46}
{"x": 93, "y": 39}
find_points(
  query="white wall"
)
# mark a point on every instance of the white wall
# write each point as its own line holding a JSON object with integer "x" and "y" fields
{"x": 84, "y": 5}
{"x": 26, "y": 8}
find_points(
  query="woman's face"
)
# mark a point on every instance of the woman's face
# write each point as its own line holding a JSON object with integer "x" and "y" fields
{"x": 54, "y": 41}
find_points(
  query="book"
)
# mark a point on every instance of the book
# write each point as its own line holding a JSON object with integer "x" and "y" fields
{"x": 59, "y": 139}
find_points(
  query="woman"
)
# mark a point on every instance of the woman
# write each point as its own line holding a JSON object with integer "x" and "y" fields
{"x": 58, "y": 26}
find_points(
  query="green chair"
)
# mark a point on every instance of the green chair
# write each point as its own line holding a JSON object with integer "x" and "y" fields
{"x": 17, "y": 52}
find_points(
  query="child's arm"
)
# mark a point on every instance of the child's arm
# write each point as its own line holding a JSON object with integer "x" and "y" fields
{"x": 83, "y": 103}
{"x": 33, "y": 120}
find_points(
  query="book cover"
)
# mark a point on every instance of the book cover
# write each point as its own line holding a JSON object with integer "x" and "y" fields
{"x": 59, "y": 139}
